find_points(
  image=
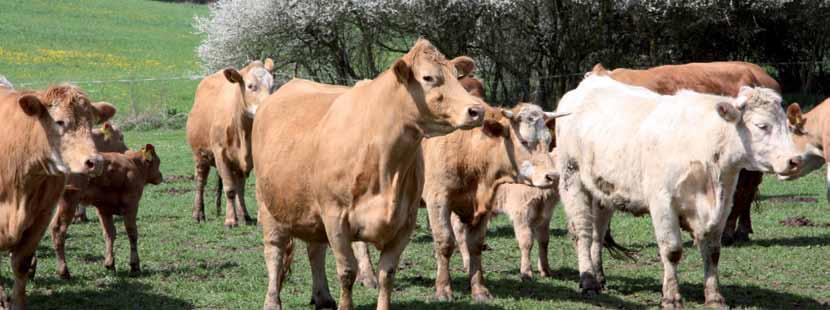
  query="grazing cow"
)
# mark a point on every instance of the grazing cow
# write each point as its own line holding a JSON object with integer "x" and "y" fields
{"x": 718, "y": 78}
{"x": 4, "y": 83}
{"x": 117, "y": 191}
{"x": 47, "y": 137}
{"x": 341, "y": 168}
{"x": 811, "y": 135}
{"x": 219, "y": 133}
{"x": 107, "y": 138}
{"x": 620, "y": 149}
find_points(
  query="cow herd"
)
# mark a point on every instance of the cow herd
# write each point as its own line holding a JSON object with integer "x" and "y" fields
{"x": 347, "y": 167}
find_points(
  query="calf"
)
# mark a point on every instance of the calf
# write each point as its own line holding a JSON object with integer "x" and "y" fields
{"x": 116, "y": 192}
{"x": 219, "y": 134}
{"x": 620, "y": 149}
{"x": 46, "y": 137}
{"x": 107, "y": 138}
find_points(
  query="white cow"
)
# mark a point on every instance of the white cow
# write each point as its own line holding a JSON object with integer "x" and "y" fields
{"x": 675, "y": 157}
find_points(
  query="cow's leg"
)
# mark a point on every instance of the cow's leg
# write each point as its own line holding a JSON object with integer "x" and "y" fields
{"x": 5, "y": 302}
{"x": 109, "y": 238}
{"x": 320, "y": 295}
{"x": 667, "y": 231}
{"x": 475, "y": 246}
{"x": 728, "y": 237}
{"x": 602, "y": 220}
{"x": 542, "y": 236}
{"x": 577, "y": 205}
{"x": 241, "y": 209}
{"x": 201, "y": 173}
{"x": 748, "y": 196}
{"x": 80, "y": 215}
{"x": 389, "y": 259}
{"x": 341, "y": 245}
{"x": 219, "y": 190}
{"x": 524, "y": 236}
{"x": 709, "y": 247}
{"x": 278, "y": 249}
{"x": 230, "y": 183}
{"x": 365, "y": 274}
{"x": 23, "y": 255}
{"x": 132, "y": 233}
{"x": 444, "y": 245}
{"x": 459, "y": 231}
{"x": 60, "y": 224}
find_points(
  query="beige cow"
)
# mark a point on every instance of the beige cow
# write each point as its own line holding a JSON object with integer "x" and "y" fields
{"x": 341, "y": 168}
{"x": 46, "y": 138}
{"x": 675, "y": 157}
{"x": 219, "y": 133}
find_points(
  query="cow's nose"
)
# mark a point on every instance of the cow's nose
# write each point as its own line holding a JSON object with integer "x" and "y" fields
{"x": 93, "y": 164}
{"x": 475, "y": 112}
{"x": 794, "y": 163}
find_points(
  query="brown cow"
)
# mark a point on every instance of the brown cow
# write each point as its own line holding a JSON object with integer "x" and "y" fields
{"x": 811, "y": 134}
{"x": 115, "y": 192}
{"x": 341, "y": 168}
{"x": 107, "y": 138}
{"x": 47, "y": 137}
{"x": 219, "y": 133}
{"x": 719, "y": 78}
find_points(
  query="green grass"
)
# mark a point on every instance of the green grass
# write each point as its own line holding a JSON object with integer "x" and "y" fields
{"x": 186, "y": 265}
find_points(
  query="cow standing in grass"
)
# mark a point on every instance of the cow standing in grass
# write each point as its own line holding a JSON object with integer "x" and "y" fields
{"x": 107, "y": 138}
{"x": 219, "y": 134}
{"x": 674, "y": 157}
{"x": 811, "y": 134}
{"x": 47, "y": 138}
{"x": 333, "y": 169}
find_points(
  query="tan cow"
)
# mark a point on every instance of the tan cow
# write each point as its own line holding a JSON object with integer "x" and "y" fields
{"x": 719, "y": 78}
{"x": 107, "y": 138}
{"x": 341, "y": 168}
{"x": 219, "y": 133}
{"x": 117, "y": 191}
{"x": 46, "y": 137}
{"x": 811, "y": 134}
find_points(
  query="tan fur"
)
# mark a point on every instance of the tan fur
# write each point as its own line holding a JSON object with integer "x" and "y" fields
{"x": 219, "y": 134}
{"x": 37, "y": 157}
{"x": 339, "y": 168}
{"x": 812, "y": 137}
{"x": 116, "y": 192}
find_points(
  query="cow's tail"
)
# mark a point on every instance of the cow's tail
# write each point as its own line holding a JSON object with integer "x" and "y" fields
{"x": 616, "y": 250}
{"x": 287, "y": 258}
{"x": 219, "y": 189}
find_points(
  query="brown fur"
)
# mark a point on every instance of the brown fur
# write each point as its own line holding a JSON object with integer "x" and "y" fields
{"x": 116, "y": 192}
{"x": 107, "y": 138}
{"x": 219, "y": 134}
{"x": 37, "y": 156}
{"x": 720, "y": 78}
{"x": 343, "y": 167}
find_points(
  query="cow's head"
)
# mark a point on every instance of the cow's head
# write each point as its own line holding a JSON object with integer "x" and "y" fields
{"x": 255, "y": 81}
{"x": 151, "y": 162}
{"x": 108, "y": 138}
{"x": 764, "y": 129}
{"x": 431, "y": 80}
{"x": 67, "y": 115}
{"x": 527, "y": 137}
{"x": 806, "y": 140}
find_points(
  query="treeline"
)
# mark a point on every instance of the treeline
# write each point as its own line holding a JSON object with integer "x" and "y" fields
{"x": 526, "y": 50}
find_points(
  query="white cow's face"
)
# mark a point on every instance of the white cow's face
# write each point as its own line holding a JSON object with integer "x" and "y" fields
{"x": 256, "y": 81}
{"x": 770, "y": 148}
{"x": 531, "y": 139}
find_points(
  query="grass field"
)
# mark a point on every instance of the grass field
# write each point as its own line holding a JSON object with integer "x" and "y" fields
{"x": 186, "y": 265}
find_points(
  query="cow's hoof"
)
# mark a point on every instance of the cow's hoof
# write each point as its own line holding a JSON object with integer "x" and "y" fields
{"x": 671, "y": 303}
{"x": 64, "y": 274}
{"x": 325, "y": 303}
{"x": 741, "y": 236}
{"x": 443, "y": 296}
{"x": 230, "y": 224}
{"x": 589, "y": 285}
{"x": 249, "y": 221}
{"x": 199, "y": 217}
{"x": 110, "y": 266}
{"x": 715, "y": 301}
{"x": 368, "y": 281}
{"x": 526, "y": 277}
{"x": 272, "y": 306}
{"x": 545, "y": 272}
{"x": 135, "y": 270}
{"x": 481, "y": 295}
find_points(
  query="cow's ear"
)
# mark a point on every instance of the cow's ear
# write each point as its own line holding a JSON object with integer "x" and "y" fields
{"x": 507, "y": 113}
{"x": 598, "y": 70}
{"x": 493, "y": 128}
{"x": 794, "y": 115}
{"x": 148, "y": 151}
{"x": 233, "y": 76}
{"x": 465, "y": 65}
{"x": 31, "y": 105}
{"x": 104, "y": 111}
{"x": 728, "y": 112}
{"x": 269, "y": 64}
{"x": 402, "y": 71}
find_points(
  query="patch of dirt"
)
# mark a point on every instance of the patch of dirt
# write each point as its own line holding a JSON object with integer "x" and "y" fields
{"x": 791, "y": 199}
{"x": 178, "y": 178}
{"x": 177, "y": 191}
{"x": 801, "y": 221}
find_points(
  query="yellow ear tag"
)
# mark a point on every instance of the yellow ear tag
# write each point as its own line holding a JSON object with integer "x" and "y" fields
{"x": 146, "y": 155}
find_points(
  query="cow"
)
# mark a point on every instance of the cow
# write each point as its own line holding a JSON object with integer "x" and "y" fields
{"x": 117, "y": 191}
{"x": 812, "y": 136}
{"x": 107, "y": 138}
{"x": 219, "y": 134}
{"x": 719, "y": 78}
{"x": 341, "y": 168}
{"x": 47, "y": 139}
{"x": 619, "y": 149}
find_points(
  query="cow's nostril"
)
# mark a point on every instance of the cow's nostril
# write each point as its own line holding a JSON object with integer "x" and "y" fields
{"x": 794, "y": 163}
{"x": 551, "y": 177}
{"x": 89, "y": 164}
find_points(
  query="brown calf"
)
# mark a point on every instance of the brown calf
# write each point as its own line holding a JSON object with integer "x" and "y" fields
{"x": 46, "y": 136}
{"x": 116, "y": 192}
{"x": 107, "y": 138}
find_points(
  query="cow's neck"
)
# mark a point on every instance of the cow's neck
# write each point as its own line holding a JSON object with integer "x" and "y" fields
{"x": 815, "y": 124}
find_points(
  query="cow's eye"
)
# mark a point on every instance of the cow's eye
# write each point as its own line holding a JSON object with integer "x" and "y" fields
{"x": 428, "y": 78}
{"x": 526, "y": 143}
{"x": 60, "y": 124}
{"x": 252, "y": 87}
{"x": 762, "y": 126}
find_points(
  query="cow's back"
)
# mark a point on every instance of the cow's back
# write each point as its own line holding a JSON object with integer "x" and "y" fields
{"x": 206, "y": 105}
{"x": 719, "y": 78}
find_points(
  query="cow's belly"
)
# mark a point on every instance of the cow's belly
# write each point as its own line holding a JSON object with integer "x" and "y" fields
{"x": 379, "y": 221}
{"x": 618, "y": 189}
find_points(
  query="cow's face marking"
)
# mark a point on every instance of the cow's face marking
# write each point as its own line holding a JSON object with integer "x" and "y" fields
{"x": 770, "y": 146}
{"x": 256, "y": 82}
{"x": 530, "y": 144}
{"x": 443, "y": 103}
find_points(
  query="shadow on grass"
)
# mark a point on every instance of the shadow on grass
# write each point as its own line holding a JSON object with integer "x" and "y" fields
{"x": 799, "y": 241}
{"x": 737, "y": 296}
{"x": 433, "y": 305}
{"x": 122, "y": 294}
{"x": 501, "y": 231}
